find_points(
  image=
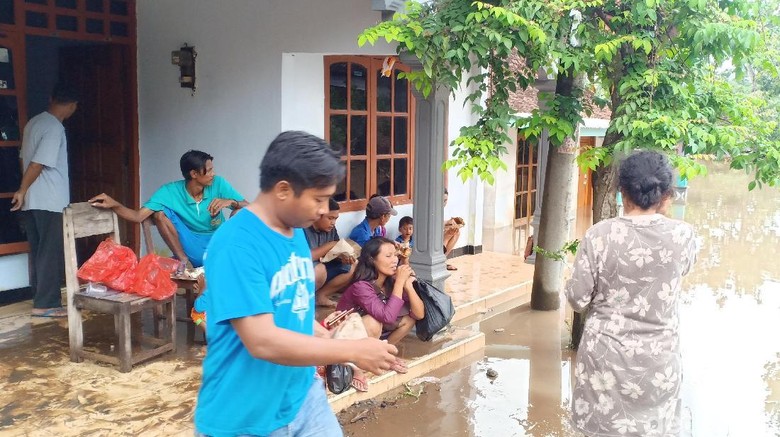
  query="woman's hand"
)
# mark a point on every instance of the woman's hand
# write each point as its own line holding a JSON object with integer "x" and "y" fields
{"x": 403, "y": 273}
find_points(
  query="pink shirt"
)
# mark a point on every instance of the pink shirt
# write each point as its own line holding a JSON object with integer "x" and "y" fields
{"x": 363, "y": 295}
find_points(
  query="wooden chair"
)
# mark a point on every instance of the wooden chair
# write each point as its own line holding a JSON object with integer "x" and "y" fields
{"x": 83, "y": 220}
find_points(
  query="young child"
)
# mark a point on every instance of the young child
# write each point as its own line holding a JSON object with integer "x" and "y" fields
{"x": 406, "y": 228}
{"x": 405, "y": 241}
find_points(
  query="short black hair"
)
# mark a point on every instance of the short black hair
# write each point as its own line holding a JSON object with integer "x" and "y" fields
{"x": 646, "y": 178}
{"x": 405, "y": 220}
{"x": 303, "y": 160}
{"x": 333, "y": 205}
{"x": 193, "y": 160}
{"x": 64, "y": 94}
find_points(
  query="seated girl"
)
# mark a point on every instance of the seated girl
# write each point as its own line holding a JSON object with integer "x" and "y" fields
{"x": 382, "y": 293}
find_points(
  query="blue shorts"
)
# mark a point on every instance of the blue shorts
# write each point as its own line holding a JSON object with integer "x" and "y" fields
{"x": 335, "y": 268}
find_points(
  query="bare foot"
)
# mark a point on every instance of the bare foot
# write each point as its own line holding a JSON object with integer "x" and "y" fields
{"x": 326, "y": 303}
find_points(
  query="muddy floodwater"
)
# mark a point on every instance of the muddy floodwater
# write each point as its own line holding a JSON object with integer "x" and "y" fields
{"x": 730, "y": 335}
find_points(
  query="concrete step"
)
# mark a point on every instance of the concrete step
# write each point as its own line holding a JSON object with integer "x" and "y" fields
{"x": 451, "y": 346}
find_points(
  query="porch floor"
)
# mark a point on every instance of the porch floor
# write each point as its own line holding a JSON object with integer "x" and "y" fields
{"x": 43, "y": 393}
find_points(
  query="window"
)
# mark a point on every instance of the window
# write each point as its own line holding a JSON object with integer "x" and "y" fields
{"x": 525, "y": 183}
{"x": 369, "y": 115}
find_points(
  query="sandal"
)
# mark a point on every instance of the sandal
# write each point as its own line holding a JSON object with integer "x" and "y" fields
{"x": 399, "y": 366}
{"x": 359, "y": 382}
{"x": 451, "y": 267}
{"x": 53, "y": 313}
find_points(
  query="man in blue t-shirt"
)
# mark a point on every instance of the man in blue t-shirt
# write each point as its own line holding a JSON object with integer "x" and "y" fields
{"x": 378, "y": 213}
{"x": 188, "y": 211}
{"x": 259, "y": 376}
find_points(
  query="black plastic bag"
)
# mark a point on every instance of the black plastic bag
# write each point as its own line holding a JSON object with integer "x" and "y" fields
{"x": 338, "y": 377}
{"x": 438, "y": 310}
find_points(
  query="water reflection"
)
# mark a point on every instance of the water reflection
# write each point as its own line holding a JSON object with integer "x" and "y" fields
{"x": 729, "y": 338}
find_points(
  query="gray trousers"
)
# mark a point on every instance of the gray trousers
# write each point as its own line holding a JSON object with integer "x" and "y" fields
{"x": 47, "y": 257}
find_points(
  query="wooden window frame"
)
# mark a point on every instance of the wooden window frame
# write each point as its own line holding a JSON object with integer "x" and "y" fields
{"x": 81, "y": 14}
{"x": 372, "y": 65}
{"x": 533, "y": 168}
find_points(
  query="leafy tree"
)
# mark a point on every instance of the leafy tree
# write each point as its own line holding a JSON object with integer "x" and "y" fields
{"x": 656, "y": 59}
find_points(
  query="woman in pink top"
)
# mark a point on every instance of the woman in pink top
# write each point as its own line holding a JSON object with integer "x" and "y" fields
{"x": 382, "y": 292}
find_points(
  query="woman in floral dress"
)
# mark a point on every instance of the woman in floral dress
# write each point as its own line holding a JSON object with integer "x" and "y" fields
{"x": 627, "y": 273}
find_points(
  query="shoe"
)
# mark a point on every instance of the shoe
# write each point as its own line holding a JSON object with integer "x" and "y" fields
{"x": 54, "y": 313}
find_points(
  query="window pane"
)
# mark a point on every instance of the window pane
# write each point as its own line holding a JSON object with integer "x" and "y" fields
{"x": 533, "y": 202}
{"x": 37, "y": 2}
{"x": 523, "y": 176}
{"x": 400, "y": 134}
{"x": 7, "y": 12}
{"x": 524, "y": 205}
{"x": 383, "y": 177}
{"x": 400, "y": 171}
{"x": 119, "y": 29}
{"x": 383, "y": 127}
{"x": 383, "y": 92}
{"x": 95, "y": 5}
{"x": 401, "y": 94}
{"x": 118, "y": 7}
{"x": 10, "y": 227}
{"x": 517, "y": 207}
{"x": 358, "y": 135}
{"x": 67, "y": 4}
{"x": 67, "y": 22}
{"x": 341, "y": 191}
{"x": 7, "y": 80}
{"x": 358, "y": 87}
{"x": 9, "y": 119}
{"x": 338, "y": 86}
{"x": 338, "y": 131}
{"x": 94, "y": 26}
{"x": 10, "y": 169}
{"x": 357, "y": 180}
{"x": 36, "y": 19}
{"x": 532, "y": 182}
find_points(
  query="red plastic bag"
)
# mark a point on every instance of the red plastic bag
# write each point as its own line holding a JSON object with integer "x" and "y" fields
{"x": 111, "y": 264}
{"x": 153, "y": 277}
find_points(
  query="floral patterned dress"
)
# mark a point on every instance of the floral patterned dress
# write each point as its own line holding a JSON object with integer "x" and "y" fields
{"x": 627, "y": 274}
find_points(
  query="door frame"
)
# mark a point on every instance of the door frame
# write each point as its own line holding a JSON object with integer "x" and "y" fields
{"x": 111, "y": 21}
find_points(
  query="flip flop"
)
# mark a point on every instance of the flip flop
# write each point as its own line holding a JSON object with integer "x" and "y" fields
{"x": 451, "y": 267}
{"x": 53, "y": 313}
{"x": 360, "y": 383}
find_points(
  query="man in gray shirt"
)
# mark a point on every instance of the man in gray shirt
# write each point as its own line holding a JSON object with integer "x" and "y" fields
{"x": 43, "y": 194}
{"x": 333, "y": 276}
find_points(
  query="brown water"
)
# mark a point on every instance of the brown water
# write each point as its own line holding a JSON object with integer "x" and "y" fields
{"x": 729, "y": 336}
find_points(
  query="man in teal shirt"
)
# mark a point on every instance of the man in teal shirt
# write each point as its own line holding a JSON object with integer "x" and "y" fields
{"x": 187, "y": 212}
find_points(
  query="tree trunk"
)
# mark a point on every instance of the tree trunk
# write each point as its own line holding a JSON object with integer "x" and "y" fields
{"x": 557, "y": 213}
{"x": 604, "y": 207}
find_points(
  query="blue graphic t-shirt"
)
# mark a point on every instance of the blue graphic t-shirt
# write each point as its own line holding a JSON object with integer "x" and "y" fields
{"x": 252, "y": 269}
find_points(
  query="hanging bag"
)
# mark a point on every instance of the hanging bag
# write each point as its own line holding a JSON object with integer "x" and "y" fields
{"x": 438, "y": 310}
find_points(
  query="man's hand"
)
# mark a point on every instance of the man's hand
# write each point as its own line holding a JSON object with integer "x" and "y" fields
{"x": 374, "y": 355}
{"x": 17, "y": 201}
{"x": 320, "y": 331}
{"x": 218, "y": 205}
{"x": 347, "y": 259}
{"x": 103, "y": 201}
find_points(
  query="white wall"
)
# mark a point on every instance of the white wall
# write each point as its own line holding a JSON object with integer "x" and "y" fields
{"x": 259, "y": 71}
{"x": 14, "y": 271}
{"x": 237, "y": 109}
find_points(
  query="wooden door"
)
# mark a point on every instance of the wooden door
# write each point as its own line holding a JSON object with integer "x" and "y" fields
{"x": 585, "y": 193}
{"x": 13, "y": 117}
{"x": 99, "y": 132}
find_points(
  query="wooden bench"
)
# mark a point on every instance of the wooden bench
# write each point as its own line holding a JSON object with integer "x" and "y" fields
{"x": 83, "y": 220}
